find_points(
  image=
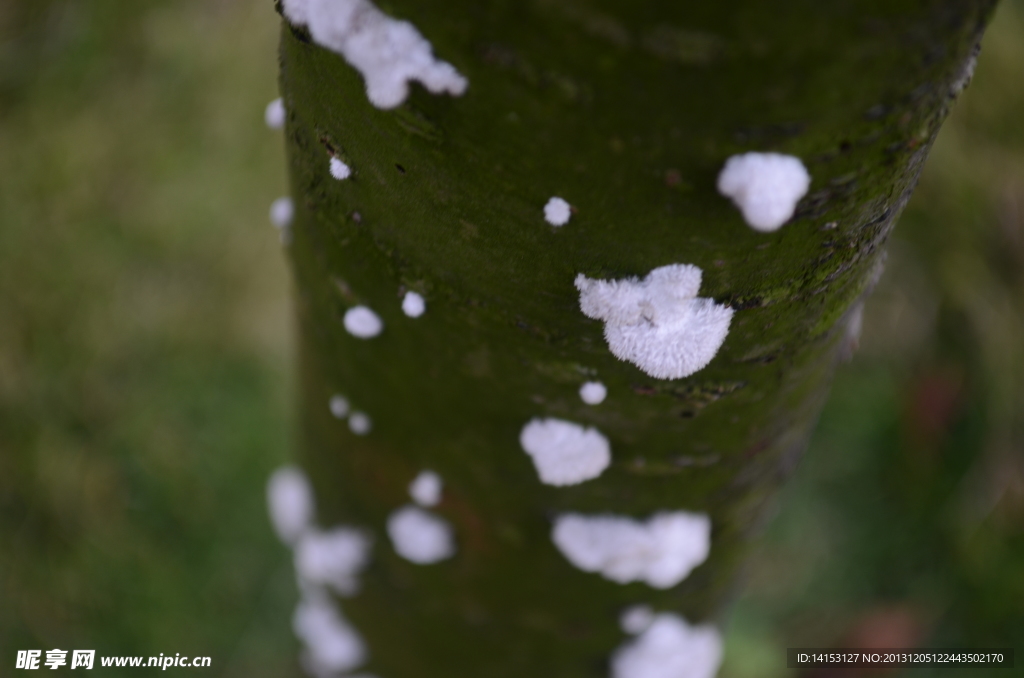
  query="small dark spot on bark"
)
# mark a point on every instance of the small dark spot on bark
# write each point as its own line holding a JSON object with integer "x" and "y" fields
{"x": 844, "y": 146}
{"x": 644, "y": 390}
{"x": 687, "y": 414}
{"x": 399, "y": 168}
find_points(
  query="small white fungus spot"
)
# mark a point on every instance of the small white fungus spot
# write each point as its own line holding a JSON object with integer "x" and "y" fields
{"x": 282, "y": 211}
{"x": 565, "y": 453}
{"x": 387, "y": 52}
{"x": 290, "y": 503}
{"x": 362, "y": 322}
{"x": 659, "y": 323}
{"x": 660, "y": 552}
{"x": 557, "y": 212}
{"x": 339, "y": 406}
{"x": 413, "y": 305}
{"x": 425, "y": 489}
{"x": 360, "y": 423}
{"x": 420, "y": 537}
{"x": 274, "y": 114}
{"x": 765, "y": 186}
{"x": 333, "y": 558}
{"x": 593, "y": 393}
{"x": 636, "y": 619}
{"x": 332, "y": 645}
{"x": 670, "y": 648}
{"x": 339, "y": 170}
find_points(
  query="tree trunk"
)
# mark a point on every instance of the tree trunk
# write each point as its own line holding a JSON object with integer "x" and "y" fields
{"x": 628, "y": 111}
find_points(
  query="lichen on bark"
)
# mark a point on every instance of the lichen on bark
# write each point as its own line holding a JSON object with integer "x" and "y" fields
{"x": 627, "y": 110}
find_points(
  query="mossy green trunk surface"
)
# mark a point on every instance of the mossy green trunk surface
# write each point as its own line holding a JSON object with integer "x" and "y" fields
{"x": 628, "y": 110}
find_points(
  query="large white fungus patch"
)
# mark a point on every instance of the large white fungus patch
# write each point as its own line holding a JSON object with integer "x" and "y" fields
{"x": 659, "y": 323}
{"x": 660, "y": 552}
{"x": 332, "y": 645}
{"x": 765, "y": 186}
{"x": 565, "y": 453}
{"x": 290, "y": 503}
{"x": 670, "y": 648}
{"x": 419, "y": 536}
{"x": 387, "y": 52}
{"x": 333, "y": 558}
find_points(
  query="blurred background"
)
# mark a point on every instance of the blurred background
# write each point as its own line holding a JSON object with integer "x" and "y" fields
{"x": 145, "y": 373}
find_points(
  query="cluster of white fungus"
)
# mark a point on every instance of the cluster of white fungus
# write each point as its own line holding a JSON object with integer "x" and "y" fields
{"x": 332, "y": 558}
{"x": 425, "y": 489}
{"x": 387, "y": 52}
{"x": 358, "y": 422}
{"x": 324, "y": 559}
{"x": 659, "y": 323}
{"x": 660, "y": 552}
{"x": 557, "y": 212}
{"x": 668, "y": 647}
{"x": 413, "y": 304}
{"x": 362, "y": 322}
{"x": 565, "y": 453}
{"x": 419, "y": 536}
{"x": 339, "y": 170}
{"x": 765, "y": 186}
{"x": 333, "y": 646}
{"x": 593, "y": 393}
{"x": 274, "y": 114}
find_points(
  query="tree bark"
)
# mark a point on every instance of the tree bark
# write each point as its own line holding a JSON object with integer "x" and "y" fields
{"x": 627, "y": 110}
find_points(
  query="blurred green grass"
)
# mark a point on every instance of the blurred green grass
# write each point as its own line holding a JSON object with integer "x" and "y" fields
{"x": 145, "y": 370}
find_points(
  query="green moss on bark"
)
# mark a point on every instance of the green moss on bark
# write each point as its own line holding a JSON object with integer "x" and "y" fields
{"x": 627, "y": 110}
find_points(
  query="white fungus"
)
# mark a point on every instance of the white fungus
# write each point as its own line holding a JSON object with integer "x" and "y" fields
{"x": 670, "y": 648}
{"x": 420, "y": 537}
{"x": 274, "y": 114}
{"x": 636, "y": 619}
{"x": 557, "y": 212}
{"x": 332, "y": 645}
{"x": 339, "y": 170}
{"x": 282, "y": 211}
{"x": 387, "y": 52}
{"x": 593, "y": 393}
{"x": 425, "y": 489}
{"x": 290, "y": 503}
{"x": 660, "y": 552}
{"x": 339, "y": 406}
{"x": 413, "y": 305}
{"x": 332, "y": 558}
{"x": 765, "y": 186}
{"x": 362, "y": 322}
{"x": 360, "y": 423}
{"x": 565, "y": 453}
{"x": 659, "y": 323}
